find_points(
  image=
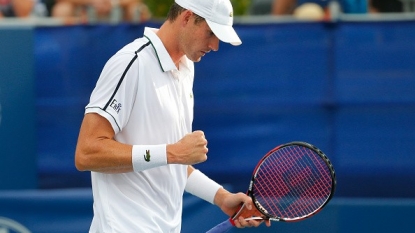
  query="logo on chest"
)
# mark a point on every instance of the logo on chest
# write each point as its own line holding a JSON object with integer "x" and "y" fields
{"x": 116, "y": 106}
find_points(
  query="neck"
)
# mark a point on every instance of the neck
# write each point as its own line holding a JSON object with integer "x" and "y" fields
{"x": 168, "y": 35}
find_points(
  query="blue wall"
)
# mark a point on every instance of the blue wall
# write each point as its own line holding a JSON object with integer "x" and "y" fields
{"x": 18, "y": 167}
{"x": 345, "y": 87}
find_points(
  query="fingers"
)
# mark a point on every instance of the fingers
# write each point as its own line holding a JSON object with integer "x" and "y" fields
{"x": 191, "y": 149}
{"x": 201, "y": 139}
{"x": 242, "y": 223}
{"x": 200, "y": 144}
{"x": 243, "y": 219}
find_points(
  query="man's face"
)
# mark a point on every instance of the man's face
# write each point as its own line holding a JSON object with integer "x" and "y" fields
{"x": 198, "y": 39}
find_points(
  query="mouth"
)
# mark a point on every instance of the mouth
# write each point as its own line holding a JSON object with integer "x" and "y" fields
{"x": 205, "y": 52}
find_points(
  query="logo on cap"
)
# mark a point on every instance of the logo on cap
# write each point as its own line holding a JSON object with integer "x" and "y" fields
{"x": 231, "y": 14}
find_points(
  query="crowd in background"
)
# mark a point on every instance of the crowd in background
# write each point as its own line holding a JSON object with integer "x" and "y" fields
{"x": 83, "y": 11}
{"x": 322, "y": 9}
{"x": 77, "y": 11}
{"x": 287, "y": 7}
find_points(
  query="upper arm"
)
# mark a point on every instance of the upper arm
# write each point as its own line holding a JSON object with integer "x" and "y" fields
{"x": 97, "y": 150}
{"x": 93, "y": 128}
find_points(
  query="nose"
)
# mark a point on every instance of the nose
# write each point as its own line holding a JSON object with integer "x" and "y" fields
{"x": 214, "y": 43}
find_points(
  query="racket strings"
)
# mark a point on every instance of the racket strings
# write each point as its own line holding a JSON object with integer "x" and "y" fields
{"x": 315, "y": 193}
{"x": 309, "y": 194}
{"x": 291, "y": 182}
{"x": 272, "y": 175}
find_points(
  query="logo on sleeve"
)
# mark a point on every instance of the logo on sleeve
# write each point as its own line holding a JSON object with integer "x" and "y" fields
{"x": 116, "y": 106}
{"x": 147, "y": 156}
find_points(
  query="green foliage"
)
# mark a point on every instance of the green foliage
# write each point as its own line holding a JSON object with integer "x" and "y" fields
{"x": 240, "y": 7}
{"x": 159, "y": 8}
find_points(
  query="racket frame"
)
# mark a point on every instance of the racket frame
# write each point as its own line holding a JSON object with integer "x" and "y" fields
{"x": 261, "y": 209}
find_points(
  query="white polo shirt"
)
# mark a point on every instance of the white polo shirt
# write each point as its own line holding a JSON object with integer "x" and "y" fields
{"x": 148, "y": 102}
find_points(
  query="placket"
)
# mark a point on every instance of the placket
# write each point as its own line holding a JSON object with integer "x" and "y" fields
{"x": 179, "y": 90}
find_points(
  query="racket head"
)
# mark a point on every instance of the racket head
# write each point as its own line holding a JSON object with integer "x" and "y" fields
{"x": 292, "y": 182}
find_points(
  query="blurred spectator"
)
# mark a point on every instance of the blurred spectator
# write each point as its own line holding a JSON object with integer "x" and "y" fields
{"x": 49, "y": 4}
{"x": 386, "y": 6}
{"x": 16, "y": 8}
{"x": 309, "y": 11}
{"x": 287, "y": 7}
{"x": 75, "y": 11}
{"x": 260, "y": 7}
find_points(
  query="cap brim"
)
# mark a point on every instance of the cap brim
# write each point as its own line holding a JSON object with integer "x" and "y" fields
{"x": 225, "y": 33}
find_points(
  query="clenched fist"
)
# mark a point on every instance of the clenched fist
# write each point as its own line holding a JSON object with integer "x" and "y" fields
{"x": 191, "y": 149}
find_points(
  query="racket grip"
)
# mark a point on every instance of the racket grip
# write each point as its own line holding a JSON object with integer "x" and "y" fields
{"x": 222, "y": 227}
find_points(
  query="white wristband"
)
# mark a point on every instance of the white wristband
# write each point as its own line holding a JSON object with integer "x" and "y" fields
{"x": 202, "y": 186}
{"x": 148, "y": 156}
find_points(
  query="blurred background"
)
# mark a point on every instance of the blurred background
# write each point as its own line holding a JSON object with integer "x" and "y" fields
{"x": 337, "y": 74}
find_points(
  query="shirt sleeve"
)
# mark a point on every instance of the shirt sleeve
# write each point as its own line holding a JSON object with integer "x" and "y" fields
{"x": 115, "y": 91}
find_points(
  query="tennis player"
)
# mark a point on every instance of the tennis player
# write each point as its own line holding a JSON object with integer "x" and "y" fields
{"x": 136, "y": 137}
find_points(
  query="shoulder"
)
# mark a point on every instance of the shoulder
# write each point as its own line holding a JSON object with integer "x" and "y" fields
{"x": 130, "y": 53}
{"x": 138, "y": 46}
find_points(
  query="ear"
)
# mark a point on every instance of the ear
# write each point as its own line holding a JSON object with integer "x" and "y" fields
{"x": 186, "y": 16}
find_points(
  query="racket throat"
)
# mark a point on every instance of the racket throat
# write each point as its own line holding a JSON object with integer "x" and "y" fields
{"x": 261, "y": 208}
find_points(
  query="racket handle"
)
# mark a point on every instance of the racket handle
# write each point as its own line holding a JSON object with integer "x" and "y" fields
{"x": 222, "y": 227}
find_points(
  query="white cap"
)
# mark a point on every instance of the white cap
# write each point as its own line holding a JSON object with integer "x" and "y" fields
{"x": 218, "y": 15}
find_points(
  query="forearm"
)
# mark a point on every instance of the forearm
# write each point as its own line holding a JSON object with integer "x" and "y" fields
{"x": 98, "y": 151}
{"x": 104, "y": 155}
{"x": 201, "y": 186}
{"x": 110, "y": 156}
{"x": 220, "y": 196}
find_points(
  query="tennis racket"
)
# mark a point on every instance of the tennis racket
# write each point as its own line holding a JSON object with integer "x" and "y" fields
{"x": 290, "y": 183}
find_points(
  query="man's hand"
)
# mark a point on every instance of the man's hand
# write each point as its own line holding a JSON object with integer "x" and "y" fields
{"x": 230, "y": 203}
{"x": 191, "y": 149}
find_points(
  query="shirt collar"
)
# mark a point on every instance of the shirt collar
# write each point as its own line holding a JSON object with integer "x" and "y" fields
{"x": 165, "y": 61}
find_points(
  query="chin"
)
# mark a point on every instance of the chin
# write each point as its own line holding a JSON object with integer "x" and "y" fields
{"x": 197, "y": 59}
